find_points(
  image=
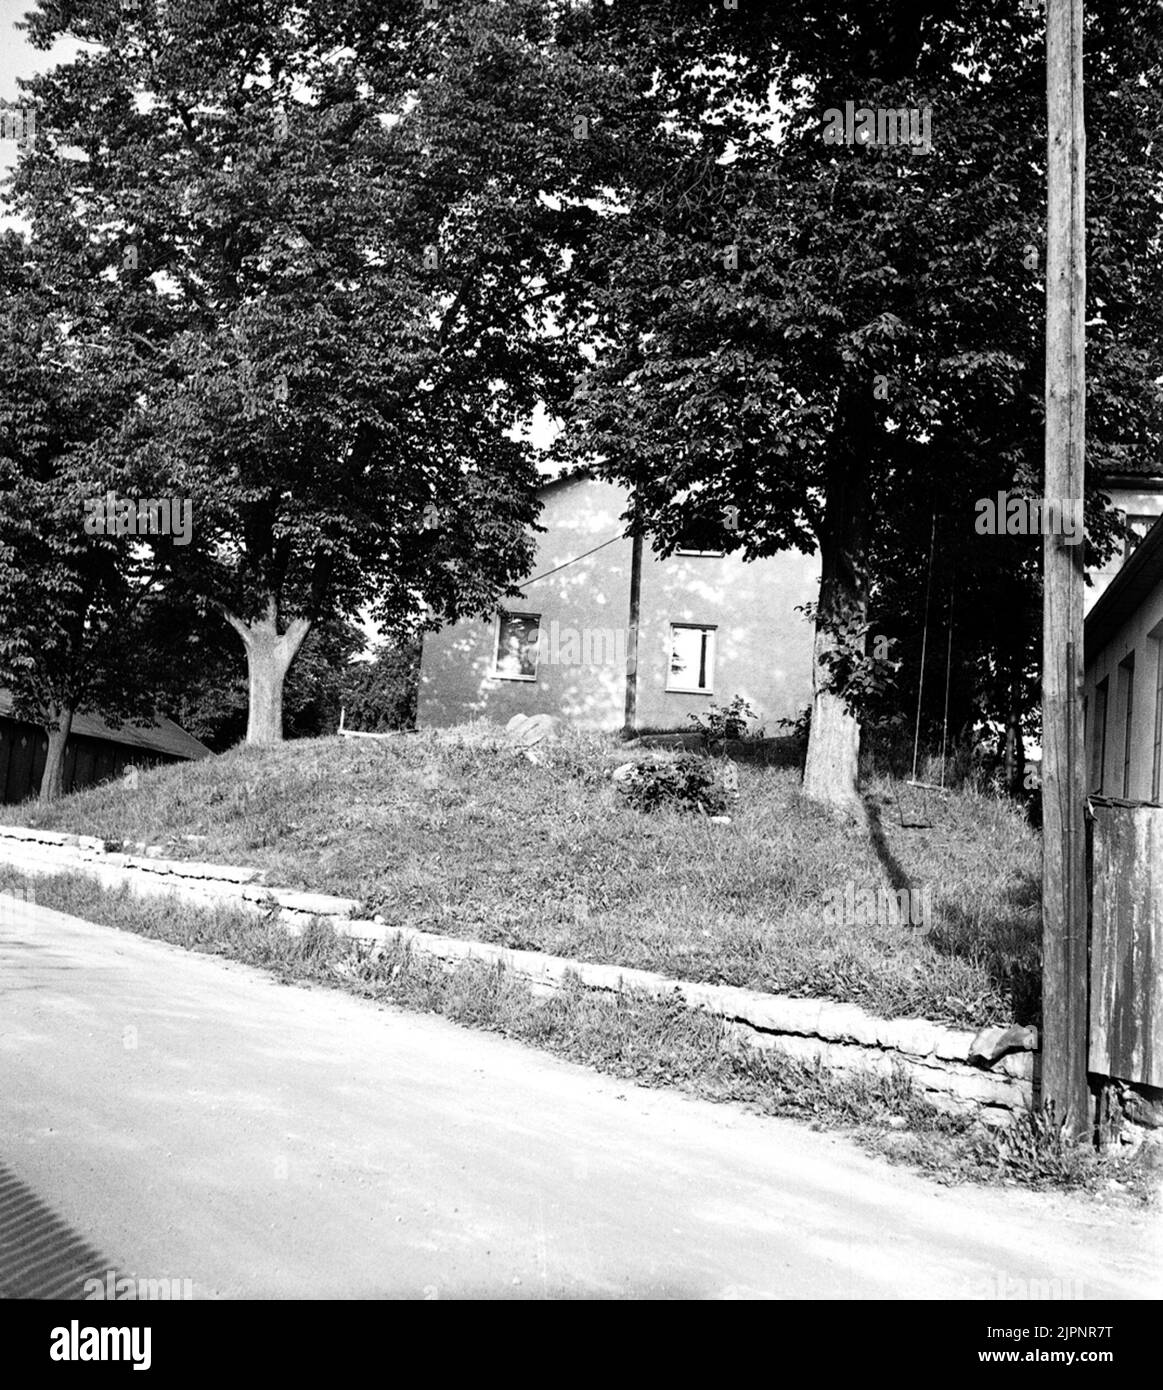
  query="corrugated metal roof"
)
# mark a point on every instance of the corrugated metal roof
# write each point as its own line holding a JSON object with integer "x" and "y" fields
{"x": 163, "y": 736}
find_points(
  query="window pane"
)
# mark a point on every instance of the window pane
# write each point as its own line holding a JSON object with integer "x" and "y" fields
{"x": 691, "y": 658}
{"x": 517, "y": 635}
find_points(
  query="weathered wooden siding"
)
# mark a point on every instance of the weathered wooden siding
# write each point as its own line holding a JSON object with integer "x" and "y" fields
{"x": 1126, "y": 948}
{"x": 87, "y": 760}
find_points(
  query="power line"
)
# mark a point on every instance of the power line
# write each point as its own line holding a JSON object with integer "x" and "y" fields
{"x": 574, "y": 561}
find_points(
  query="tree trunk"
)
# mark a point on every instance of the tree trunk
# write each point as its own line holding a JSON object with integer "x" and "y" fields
{"x": 833, "y": 757}
{"x": 52, "y": 783}
{"x": 269, "y": 654}
{"x": 831, "y": 770}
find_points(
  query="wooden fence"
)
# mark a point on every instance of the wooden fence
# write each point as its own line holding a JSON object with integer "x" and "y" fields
{"x": 87, "y": 760}
{"x": 1126, "y": 944}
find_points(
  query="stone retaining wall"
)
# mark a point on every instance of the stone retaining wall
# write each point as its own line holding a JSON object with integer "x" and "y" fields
{"x": 842, "y": 1036}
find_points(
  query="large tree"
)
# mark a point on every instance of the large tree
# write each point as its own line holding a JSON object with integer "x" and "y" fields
{"x": 356, "y": 222}
{"x": 839, "y": 346}
{"x": 81, "y": 609}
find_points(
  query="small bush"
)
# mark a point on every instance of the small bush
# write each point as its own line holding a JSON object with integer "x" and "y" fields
{"x": 719, "y": 722}
{"x": 689, "y": 783}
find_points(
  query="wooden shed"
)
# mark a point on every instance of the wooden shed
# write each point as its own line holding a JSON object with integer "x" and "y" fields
{"x": 96, "y": 751}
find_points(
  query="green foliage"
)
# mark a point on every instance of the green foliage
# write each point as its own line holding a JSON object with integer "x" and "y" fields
{"x": 86, "y": 620}
{"x": 380, "y": 694}
{"x": 309, "y": 267}
{"x": 686, "y": 783}
{"x": 837, "y": 344}
{"x": 718, "y": 722}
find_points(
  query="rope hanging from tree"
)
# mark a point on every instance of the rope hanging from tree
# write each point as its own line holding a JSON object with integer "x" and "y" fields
{"x": 914, "y": 781}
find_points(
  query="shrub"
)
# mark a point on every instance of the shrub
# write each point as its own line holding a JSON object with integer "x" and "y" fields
{"x": 689, "y": 783}
{"x": 719, "y": 722}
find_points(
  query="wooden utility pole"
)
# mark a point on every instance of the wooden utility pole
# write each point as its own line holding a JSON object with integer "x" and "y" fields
{"x": 1064, "y": 906}
{"x": 630, "y": 723}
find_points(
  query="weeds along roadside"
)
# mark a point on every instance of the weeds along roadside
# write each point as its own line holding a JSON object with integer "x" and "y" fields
{"x": 628, "y": 1035}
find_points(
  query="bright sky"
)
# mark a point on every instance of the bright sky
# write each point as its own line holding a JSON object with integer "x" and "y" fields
{"x": 19, "y": 59}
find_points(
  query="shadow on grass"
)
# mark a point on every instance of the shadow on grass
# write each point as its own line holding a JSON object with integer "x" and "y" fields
{"x": 1008, "y": 947}
{"x": 895, "y": 871}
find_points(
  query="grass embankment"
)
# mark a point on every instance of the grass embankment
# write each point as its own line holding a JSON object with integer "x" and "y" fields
{"x": 629, "y": 1035}
{"x": 459, "y": 833}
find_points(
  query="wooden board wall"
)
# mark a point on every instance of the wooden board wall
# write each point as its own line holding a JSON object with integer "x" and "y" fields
{"x": 1126, "y": 948}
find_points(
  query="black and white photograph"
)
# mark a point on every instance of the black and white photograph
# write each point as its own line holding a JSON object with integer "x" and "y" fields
{"x": 581, "y": 672}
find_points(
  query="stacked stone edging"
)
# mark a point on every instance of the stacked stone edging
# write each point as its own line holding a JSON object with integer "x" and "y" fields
{"x": 842, "y": 1036}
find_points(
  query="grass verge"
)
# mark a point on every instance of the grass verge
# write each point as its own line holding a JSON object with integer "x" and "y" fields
{"x": 629, "y": 1035}
{"x": 457, "y": 832}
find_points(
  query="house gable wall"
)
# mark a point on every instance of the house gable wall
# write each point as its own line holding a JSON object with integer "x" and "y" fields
{"x": 763, "y": 647}
{"x": 588, "y": 595}
{"x": 1145, "y": 500}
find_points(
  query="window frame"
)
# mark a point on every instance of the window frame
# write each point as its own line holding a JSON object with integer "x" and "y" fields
{"x": 498, "y": 627}
{"x": 709, "y": 658}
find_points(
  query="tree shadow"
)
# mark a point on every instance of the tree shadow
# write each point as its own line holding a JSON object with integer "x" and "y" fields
{"x": 894, "y": 870}
{"x": 1008, "y": 947}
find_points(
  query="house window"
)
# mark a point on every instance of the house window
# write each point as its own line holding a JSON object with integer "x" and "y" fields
{"x": 692, "y": 658}
{"x": 515, "y": 654}
{"x": 1127, "y": 701}
{"x": 1157, "y": 751}
{"x": 1098, "y": 747}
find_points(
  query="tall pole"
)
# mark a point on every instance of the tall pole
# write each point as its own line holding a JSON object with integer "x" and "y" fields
{"x": 630, "y": 723}
{"x": 1064, "y": 908}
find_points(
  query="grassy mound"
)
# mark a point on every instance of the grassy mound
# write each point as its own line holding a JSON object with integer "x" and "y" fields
{"x": 459, "y": 832}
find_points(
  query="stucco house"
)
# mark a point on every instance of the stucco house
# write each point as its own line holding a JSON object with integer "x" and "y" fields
{"x": 1124, "y": 678}
{"x": 608, "y": 635}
